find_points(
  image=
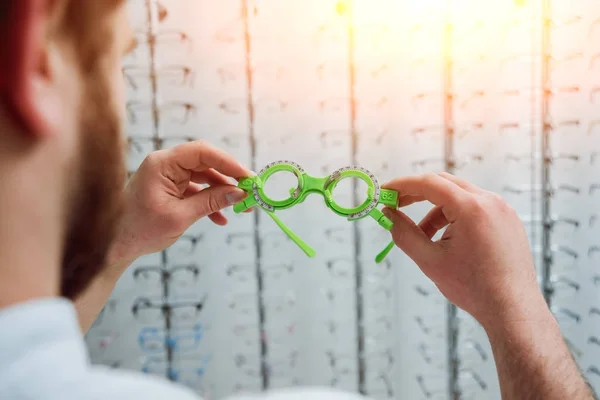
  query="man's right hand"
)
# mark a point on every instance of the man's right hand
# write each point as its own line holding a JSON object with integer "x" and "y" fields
{"x": 483, "y": 262}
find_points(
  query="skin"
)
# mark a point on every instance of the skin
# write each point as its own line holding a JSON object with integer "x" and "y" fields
{"x": 482, "y": 263}
{"x": 39, "y": 124}
{"x": 163, "y": 199}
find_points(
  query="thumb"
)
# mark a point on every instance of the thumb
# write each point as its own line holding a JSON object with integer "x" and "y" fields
{"x": 212, "y": 199}
{"x": 410, "y": 238}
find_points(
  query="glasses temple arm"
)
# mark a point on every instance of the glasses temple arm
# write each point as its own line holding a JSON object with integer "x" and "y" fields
{"x": 383, "y": 254}
{"x": 301, "y": 243}
{"x": 392, "y": 202}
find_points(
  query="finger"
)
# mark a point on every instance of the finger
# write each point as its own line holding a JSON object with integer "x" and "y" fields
{"x": 433, "y": 222}
{"x": 239, "y": 178}
{"x": 469, "y": 187}
{"x": 433, "y": 188}
{"x": 405, "y": 201}
{"x": 218, "y": 218}
{"x": 192, "y": 189}
{"x": 211, "y": 177}
{"x": 211, "y": 200}
{"x": 410, "y": 238}
{"x": 199, "y": 156}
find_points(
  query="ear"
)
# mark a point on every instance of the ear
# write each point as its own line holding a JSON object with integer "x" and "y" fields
{"x": 24, "y": 66}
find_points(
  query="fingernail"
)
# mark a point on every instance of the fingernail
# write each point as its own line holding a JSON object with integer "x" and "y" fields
{"x": 235, "y": 196}
{"x": 388, "y": 213}
{"x": 244, "y": 166}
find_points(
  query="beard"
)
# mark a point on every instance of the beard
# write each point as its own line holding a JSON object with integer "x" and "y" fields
{"x": 95, "y": 202}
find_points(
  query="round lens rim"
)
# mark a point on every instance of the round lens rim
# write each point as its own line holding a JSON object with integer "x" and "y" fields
{"x": 373, "y": 190}
{"x": 270, "y": 170}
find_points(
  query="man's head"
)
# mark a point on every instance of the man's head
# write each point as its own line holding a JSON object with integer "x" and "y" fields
{"x": 61, "y": 109}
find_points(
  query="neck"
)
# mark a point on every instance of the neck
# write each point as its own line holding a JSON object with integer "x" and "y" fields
{"x": 30, "y": 230}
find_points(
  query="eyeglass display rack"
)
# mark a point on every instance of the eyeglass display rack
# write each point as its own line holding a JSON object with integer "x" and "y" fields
{"x": 506, "y": 95}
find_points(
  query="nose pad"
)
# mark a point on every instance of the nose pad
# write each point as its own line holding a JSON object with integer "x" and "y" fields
{"x": 295, "y": 192}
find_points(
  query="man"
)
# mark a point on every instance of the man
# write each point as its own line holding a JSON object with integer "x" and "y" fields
{"x": 68, "y": 231}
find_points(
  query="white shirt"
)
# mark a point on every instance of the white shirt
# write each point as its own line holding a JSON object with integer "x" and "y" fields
{"x": 43, "y": 357}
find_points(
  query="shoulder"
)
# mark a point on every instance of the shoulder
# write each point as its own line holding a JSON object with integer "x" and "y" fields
{"x": 65, "y": 381}
{"x": 103, "y": 383}
{"x": 43, "y": 356}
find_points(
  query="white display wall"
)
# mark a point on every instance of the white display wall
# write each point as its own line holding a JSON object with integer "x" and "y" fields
{"x": 505, "y": 94}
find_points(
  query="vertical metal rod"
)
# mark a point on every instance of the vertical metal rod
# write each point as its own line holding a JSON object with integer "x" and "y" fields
{"x": 448, "y": 90}
{"x": 264, "y": 370}
{"x": 156, "y": 134}
{"x": 153, "y": 82}
{"x": 546, "y": 148}
{"x": 358, "y": 270}
{"x": 534, "y": 140}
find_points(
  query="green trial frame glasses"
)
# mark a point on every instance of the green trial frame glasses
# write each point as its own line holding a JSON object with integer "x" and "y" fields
{"x": 325, "y": 186}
